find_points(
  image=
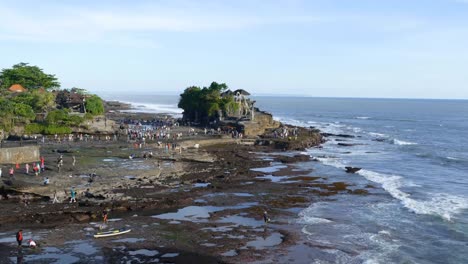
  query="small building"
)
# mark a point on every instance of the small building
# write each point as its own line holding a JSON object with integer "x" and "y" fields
{"x": 71, "y": 100}
{"x": 17, "y": 88}
{"x": 227, "y": 93}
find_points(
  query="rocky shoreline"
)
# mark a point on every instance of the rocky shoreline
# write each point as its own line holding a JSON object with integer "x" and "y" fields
{"x": 202, "y": 202}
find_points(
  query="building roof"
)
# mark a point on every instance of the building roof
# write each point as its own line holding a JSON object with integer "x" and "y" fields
{"x": 241, "y": 91}
{"x": 17, "y": 88}
{"x": 227, "y": 93}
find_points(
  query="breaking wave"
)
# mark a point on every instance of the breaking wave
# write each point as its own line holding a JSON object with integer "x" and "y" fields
{"x": 154, "y": 108}
{"x": 443, "y": 205}
{"x": 402, "y": 143}
{"x": 362, "y": 117}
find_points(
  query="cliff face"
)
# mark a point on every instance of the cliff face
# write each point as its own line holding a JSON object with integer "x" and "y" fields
{"x": 262, "y": 122}
{"x": 306, "y": 138}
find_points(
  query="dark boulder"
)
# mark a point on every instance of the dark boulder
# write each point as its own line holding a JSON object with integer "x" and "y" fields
{"x": 346, "y": 144}
{"x": 295, "y": 158}
{"x": 352, "y": 169}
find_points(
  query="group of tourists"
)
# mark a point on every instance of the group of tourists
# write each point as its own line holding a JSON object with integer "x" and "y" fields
{"x": 286, "y": 132}
{"x": 35, "y": 167}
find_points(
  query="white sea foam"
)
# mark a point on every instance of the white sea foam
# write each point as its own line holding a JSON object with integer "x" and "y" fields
{"x": 380, "y": 135}
{"x": 362, "y": 117}
{"x": 443, "y": 205}
{"x": 334, "y": 162}
{"x": 306, "y": 218}
{"x": 154, "y": 108}
{"x": 384, "y": 232}
{"x": 402, "y": 143}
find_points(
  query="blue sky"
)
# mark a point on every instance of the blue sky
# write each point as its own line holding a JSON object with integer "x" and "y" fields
{"x": 336, "y": 48}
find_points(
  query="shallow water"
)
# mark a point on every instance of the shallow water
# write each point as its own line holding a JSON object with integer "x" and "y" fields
{"x": 265, "y": 242}
{"x": 199, "y": 213}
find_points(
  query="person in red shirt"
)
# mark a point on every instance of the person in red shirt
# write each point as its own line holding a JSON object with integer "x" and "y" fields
{"x": 19, "y": 237}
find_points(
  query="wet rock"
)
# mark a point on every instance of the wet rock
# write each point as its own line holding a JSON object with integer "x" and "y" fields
{"x": 337, "y": 186}
{"x": 359, "y": 192}
{"x": 352, "y": 169}
{"x": 337, "y": 135}
{"x": 295, "y": 158}
{"x": 81, "y": 217}
{"x": 346, "y": 144}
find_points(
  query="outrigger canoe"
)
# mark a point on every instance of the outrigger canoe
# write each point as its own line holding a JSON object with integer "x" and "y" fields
{"x": 112, "y": 233}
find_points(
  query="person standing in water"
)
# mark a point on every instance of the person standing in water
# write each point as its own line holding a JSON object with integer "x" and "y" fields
{"x": 266, "y": 219}
{"x": 19, "y": 237}
{"x": 104, "y": 215}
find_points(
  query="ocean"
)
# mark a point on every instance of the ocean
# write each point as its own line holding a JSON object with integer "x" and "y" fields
{"x": 414, "y": 160}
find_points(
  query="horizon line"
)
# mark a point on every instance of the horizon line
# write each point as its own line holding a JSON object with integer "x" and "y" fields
{"x": 166, "y": 93}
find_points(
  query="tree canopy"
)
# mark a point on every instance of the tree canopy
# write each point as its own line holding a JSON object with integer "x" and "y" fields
{"x": 39, "y": 101}
{"x": 94, "y": 105}
{"x": 30, "y": 77}
{"x": 205, "y": 104}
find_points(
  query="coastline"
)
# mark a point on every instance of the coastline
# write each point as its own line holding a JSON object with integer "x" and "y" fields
{"x": 137, "y": 191}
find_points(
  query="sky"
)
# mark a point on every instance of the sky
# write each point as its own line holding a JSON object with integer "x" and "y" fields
{"x": 322, "y": 48}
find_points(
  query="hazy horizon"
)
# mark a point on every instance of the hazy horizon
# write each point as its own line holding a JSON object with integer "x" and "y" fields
{"x": 317, "y": 48}
{"x": 162, "y": 93}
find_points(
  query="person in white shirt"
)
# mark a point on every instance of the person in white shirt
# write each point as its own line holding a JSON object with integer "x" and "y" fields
{"x": 32, "y": 243}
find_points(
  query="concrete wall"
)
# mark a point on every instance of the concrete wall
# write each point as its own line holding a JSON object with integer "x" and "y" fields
{"x": 19, "y": 154}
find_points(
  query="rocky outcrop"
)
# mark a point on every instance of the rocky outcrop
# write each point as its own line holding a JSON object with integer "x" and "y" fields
{"x": 98, "y": 125}
{"x": 262, "y": 122}
{"x": 306, "y": 138}
{"x": 352, "y": 169}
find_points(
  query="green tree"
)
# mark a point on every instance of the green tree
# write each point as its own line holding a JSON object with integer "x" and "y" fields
{"x": 57, "y": 117}
{"x": 12, "y": 113}
{"x": 39, "y": 101}
{"x": 204, "y": 105}
{"x": 6, "y": 114}
{"x": 24, "y": 112}
{"x": 30, "y": 77}
{"x": 190, "y": 101}
{"x": 94, "y": 105}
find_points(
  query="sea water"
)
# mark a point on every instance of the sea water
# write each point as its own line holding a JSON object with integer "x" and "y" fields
{"x": 414, "y": 160}
{"x": 415, "y": 152}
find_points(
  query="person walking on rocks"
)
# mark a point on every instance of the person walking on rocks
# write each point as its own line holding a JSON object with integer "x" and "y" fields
{"x": 42, "y": 164}
{"x": 24, "y": 199}
{"x": 55, "y": 200}
{"x": 60, "y": 162}
{"x": 73, "y": 195}
{"x": 36, "y": 170}
{"x": 19, "y": 237}
{"x": 27, "y": 168}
